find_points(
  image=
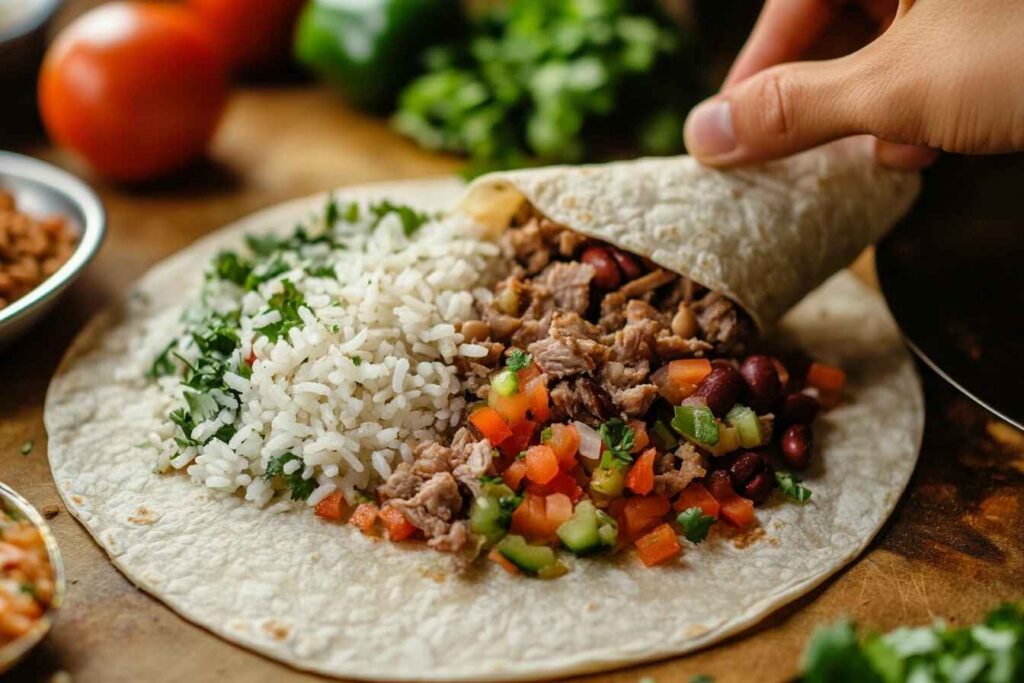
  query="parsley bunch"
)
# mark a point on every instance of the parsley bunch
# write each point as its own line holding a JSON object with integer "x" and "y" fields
{"x": 550, "y": 80}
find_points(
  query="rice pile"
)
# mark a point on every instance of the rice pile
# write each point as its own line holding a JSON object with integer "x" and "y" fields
{"x": 363, "y": 373}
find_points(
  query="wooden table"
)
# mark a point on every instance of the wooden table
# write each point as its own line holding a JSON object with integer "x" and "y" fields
{"x": 953, "y": 548}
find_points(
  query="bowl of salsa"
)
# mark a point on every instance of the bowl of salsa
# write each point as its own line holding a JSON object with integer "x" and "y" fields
{"x": 32, "y": 581}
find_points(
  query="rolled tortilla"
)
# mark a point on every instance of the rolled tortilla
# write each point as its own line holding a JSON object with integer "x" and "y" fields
{"x": 764, "y": 237}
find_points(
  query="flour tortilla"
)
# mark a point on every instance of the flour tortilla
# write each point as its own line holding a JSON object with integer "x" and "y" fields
{"x": 763, "y": 237}
{"x": 323, "y": 597}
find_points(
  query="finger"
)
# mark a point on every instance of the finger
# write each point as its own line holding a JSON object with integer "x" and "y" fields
{"x": 780, "y": 111}
{"x": 902, "y": 157}
{"x": 784, "y": 31}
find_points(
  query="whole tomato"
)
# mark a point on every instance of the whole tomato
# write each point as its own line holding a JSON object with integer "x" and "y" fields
{"x": 135, "y": 88}
{"x": 255, "y": 34}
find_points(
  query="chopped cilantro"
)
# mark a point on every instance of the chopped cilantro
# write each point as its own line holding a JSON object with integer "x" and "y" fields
{"x": 485, "y": 480}
{"x": 265, "y": 273}
{"x": 27, "y": 588}
{"x": 331, "y": 212}
{"x": 263, "y": 245}
{"x": 352, "y": 212}
{"x": 791, "y": 485}
{"x": 518, "y": 360}
{"x": 228, "y": 265}
{"x": 286, "y": 302}
{"x": 618, "y": 438}
{"x": 695, "y": 523}
{"x": 201, "y": 406}
{"x": 356, "y": 360}
{"x": 26, "y": 447}
{"x": 301, "y": 488}
{"x": 508, "y": 505}
{"x": 411, "y": 218}
{"x": 521, "y": 455}
{"x": 162, "y": 364}
{"x": 546, "y": 435}
{"x": 361, "y": 497}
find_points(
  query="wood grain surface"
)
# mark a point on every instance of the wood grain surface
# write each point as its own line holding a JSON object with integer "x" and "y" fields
{"x": 952, "y": 550}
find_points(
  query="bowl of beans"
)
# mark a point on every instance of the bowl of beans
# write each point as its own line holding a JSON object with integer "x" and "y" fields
{"x": 51, "y": 226}
{"x": 32, "y": 581}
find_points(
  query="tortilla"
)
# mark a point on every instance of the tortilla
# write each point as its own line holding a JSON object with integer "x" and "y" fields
{"x": 764, "y": 237}
{"x": 325, "y": 598}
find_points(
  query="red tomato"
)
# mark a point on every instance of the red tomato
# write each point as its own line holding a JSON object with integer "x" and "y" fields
{"x": 254, "y": 34}
{"x": 135, "y": 88}
{"x": 661, "y": 545}
{"x": 541, "y": 464}
{"x": 565, "y": 442}
{"x": 490, "y": 424}
{"x": 640, "y": 479}
{"x": 331, "y": 507}
{"x": 514, "y": 473}
{"x": 695, "y": 495}
{"x": 398, "y": 525}
{"x": 642, "y": 513}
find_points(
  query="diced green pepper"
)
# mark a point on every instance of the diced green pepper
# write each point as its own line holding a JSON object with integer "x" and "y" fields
{"x": 663, "y": 437}
{"x": 608, "y": 482}
{"x": 746, "y": 423}
{"x": 696, "y": 423}
{"x": 530, "y": 558}
{"x": 370, "y": 49}
{"x": 505, "y": 383}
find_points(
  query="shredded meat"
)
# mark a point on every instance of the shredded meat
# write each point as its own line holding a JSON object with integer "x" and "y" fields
{"x": 502, "y": 326}
{"x": 669, "y": 346}
{"x": 476, "y": 461}
{"x": 435, "y": 505}
{"x": 671, "y": 480}
{"x": 636, "y": 341}
{"x": 571, "y": 349}
{"x": 647, "y": 283}
{"x": 526, "y": 245}
{"x": 721, "y": 323}
{"x": 635, "y": 401}
{"x": 455, "y": 539}
{"x": 429, "y": 458}
{"x": 582, "y": 399}
{"x": 569, "y": 284}
{"x": 613, "y": 312}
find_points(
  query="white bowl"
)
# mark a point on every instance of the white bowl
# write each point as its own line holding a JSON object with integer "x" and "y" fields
{"x": 43, "y": 189}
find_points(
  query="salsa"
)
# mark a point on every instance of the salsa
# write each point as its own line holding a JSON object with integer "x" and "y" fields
{"x": 26, "y": 577}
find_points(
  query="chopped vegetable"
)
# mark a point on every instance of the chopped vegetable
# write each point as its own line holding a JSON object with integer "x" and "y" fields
{"x": 608, "y": 482}
{"x": 791, "y": 485}
{"x": 502, "y": 561}
{"x": 689, "y": 372}
{"x": 505, "y": 383}
{"x": 565, "y": 442}
{"x": 696, "y": 495}
{"x": 522, "y": 434}
{"x": 512, "y": 408}
{"x": 557, "y": 510}
{"x": 300, "y": 488}
{"x": 640, "y": 479}
{"x": 364, "y": 517}
{"x": 541, "y": 464}
{"x": 746, "y": 423}
{"x": 697, "y": 424}
{"x": 582, "y": 532}
{"x": 491, "y": 512}
{"x": 514, "y": 474}
{"x": 826, "y": 378}
{"x": 617, "y": 436}
{"x": 643, "y": 512}
{"x": 728, "y": 441}
{"x": 531, "y": 559}
{"x": 659, "y": 546}
{"x": 518, "y": 360}
{"x": 332, "y": 507}
{"x": 560, "y": 483}
{"x": 696, "y": 524}
{"x": 539, "y": 404}
{"x": 663, "y": 437}
{"x": 590, "y": 440}
{"x": 641, "y": 440}
{"x": 490, "y": 424}
{"x": 530, "y": 519}
{"x": 396, "y": 523}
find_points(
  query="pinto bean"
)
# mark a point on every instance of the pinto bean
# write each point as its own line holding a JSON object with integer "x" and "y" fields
{"x": 684, "y": 322}
{"x": 475, "y": 330}
{"x": 762, "y": 380}
{"x": 721, "y": 389}
{"x": 607, "y": 275}
{"x": 796, "y": 446}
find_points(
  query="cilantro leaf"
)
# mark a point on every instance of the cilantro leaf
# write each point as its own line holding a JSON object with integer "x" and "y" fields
{"x": 518, "y": 360}
{"x": 331, "y": 211}
{"x": 485, "y": 480}
{"x": 411, "y": 218}
{"x": 695, "y": 523}
{"x": 286, "y": 302}
{"x": 300, "y": 488}
{"x": 618, "y": 437}
{"x": 162, "y": 364}
{"x": 791, "y": 485}
{"x": 228, "y": 265}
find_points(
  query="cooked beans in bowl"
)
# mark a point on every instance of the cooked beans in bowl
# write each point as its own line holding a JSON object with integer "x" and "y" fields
{"x": 31, "y": 249}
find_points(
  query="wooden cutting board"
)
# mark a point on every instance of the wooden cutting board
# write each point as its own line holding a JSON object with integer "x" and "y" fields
{"x": 952, "y": 550}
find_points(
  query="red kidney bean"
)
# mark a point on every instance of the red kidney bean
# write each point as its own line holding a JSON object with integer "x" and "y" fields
{"x": 630, "y": 268}
{"x": 752, "y": 475}
{"x": 607, "y": 275}
{"x": 796, "y": 446}
{"x": 720, "y": 389}
{"x": 719, "y": 483}
{"x": 797, "y": 408}
{"x": 762, "y": 380}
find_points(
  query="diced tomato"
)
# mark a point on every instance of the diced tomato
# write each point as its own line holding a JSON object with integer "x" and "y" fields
{"x": 640, "y": 437}
{"x": 490, "y": 424}
{"x": 514, "y": 473}
{"x": 511, "y": 408}
{"x": 530, "y": 519}
{"x": 561, "y": 483}
{"x": 689, "y": 371}
{"x": 695, "y": 495}
{"x": 558, "y": 509}
{"x": 541, "y": 464}
{"x": 826, "y": 378}
{"x": 502, "y": 561}
{"x": 661, "y": 545}
{"x": 522, "y": 434}
{"x": 364, "y": 517}
{"x": 643, "y": 512}
{"x": 565, "y": 442}
{"x": 397, "y": 524}
{"x": 331, "y": 507}
{"x": 640, "y": 479}
{"x": 733, "y": 507}
{"x": 528, "y": 374}
{"x": 540, "y": 407}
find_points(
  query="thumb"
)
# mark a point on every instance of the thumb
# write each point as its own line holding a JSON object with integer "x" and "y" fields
{"x": 780, "y": 111}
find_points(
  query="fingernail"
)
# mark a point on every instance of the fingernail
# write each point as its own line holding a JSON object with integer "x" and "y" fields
{"x": 709, "y": 131}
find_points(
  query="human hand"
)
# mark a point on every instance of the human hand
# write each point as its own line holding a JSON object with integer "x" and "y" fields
{"x": 942, "y": 74}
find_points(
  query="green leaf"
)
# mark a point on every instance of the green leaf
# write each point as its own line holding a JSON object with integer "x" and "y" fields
{"x": 835, "y": 655}
{"x": 228, "y": 265}
{"x": 300, "y": 488}
{"x": 695, "y": 523}
{"x": 617, "y": 435}
{"x": 162, "y": 364}
{"x": 518, "y": 360}
{"x": 791, "y": 485}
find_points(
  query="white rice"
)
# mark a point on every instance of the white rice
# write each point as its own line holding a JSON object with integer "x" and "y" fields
{"x": 366, "y": 375}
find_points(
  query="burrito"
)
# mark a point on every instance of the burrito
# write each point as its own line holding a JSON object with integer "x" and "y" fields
{"x": 558, "y": 421}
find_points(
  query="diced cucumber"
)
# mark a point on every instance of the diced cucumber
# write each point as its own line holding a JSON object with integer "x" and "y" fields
{"x": 746, "y": 423}
{"x": 696, "y": 423}
{"x": 489, "y": 514}
{"x": 530, "y": 558}
{"x": 608, "y": 482}
{"x": 505, "y": 383}
{"x": 579, "y": 532}
{"x": 607, "y": 529}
